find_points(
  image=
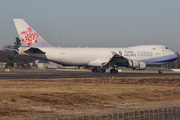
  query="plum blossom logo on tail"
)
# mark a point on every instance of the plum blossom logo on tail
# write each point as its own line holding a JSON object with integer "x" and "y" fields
{"x": 29, "y": 37}
{"x": 120, "y": 53}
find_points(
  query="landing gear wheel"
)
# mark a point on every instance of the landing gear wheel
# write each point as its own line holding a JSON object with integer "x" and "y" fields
{"x": 160, "y": 71}
{"x": 103, "y": 70}
{"x": 113, "y": 71}
{"x": 94, "y": 70}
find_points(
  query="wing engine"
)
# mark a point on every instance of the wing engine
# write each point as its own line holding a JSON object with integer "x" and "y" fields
{"x": 136, "y": 65}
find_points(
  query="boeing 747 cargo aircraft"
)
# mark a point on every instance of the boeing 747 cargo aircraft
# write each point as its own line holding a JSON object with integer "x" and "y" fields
{"x": 136, "y": 57}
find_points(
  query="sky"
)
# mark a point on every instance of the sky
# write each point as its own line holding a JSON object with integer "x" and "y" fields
{"x": 95, "y": 23}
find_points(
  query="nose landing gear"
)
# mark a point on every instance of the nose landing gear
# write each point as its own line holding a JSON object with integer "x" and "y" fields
{"x": 160, "y": 71}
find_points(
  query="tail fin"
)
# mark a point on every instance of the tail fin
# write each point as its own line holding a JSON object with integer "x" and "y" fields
{"x": 28, "y": 36}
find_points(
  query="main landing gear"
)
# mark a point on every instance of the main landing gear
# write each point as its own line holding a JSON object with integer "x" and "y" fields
{"x": 114, "y": 71}
{"x": 101, "y": 70}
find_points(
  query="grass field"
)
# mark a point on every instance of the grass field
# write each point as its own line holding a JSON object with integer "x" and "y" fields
{"x": 28, "y": 97}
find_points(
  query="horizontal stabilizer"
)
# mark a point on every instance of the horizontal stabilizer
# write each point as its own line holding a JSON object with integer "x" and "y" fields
{"x": 11, "y": 49}
{"x": 34, "y": 50}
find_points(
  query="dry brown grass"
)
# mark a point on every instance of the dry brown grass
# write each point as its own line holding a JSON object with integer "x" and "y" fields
{"x": 33, "y": 97}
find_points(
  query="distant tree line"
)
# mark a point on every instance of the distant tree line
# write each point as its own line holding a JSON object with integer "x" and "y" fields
{"x": 11, "y": 57}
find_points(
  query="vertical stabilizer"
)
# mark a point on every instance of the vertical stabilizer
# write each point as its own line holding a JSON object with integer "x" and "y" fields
{"x": 28, "y": 36}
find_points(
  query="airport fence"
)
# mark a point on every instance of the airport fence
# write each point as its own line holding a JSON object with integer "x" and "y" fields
{"x": 149, "y": 113}
{"x": 165, "y": 113}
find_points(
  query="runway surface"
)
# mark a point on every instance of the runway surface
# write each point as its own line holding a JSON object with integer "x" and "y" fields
{"x": 46, "y": 74}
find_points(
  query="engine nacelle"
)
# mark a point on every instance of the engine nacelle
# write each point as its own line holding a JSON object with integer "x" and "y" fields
{"x": 142, "y": 66}
{"x": 134, "y": 64}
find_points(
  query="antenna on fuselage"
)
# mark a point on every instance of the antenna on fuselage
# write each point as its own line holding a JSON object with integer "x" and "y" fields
{"x": 59, "y": 41}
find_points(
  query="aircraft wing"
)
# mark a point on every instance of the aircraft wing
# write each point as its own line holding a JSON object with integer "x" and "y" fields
{"x": 116, "y": 60}
{"x": 107, "y": 61}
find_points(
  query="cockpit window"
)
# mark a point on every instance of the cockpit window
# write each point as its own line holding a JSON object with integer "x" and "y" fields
{"x": 166, "y": 47}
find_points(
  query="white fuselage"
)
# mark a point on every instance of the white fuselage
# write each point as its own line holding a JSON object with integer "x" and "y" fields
{"x": 150, "y": 54}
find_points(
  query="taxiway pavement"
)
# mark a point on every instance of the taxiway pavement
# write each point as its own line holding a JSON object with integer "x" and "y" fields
{"x": 46, "y": 74}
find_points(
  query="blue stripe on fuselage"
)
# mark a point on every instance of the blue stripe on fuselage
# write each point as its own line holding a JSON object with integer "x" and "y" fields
{"x": 160, "y": 60}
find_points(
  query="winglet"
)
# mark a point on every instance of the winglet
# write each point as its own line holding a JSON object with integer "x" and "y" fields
{"x": 28, "y": 36}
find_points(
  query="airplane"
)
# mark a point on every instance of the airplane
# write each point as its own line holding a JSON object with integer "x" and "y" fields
{"x": 136, "y": 57}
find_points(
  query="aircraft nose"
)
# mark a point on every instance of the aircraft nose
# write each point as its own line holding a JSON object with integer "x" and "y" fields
{"x": 175, "y": 56}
